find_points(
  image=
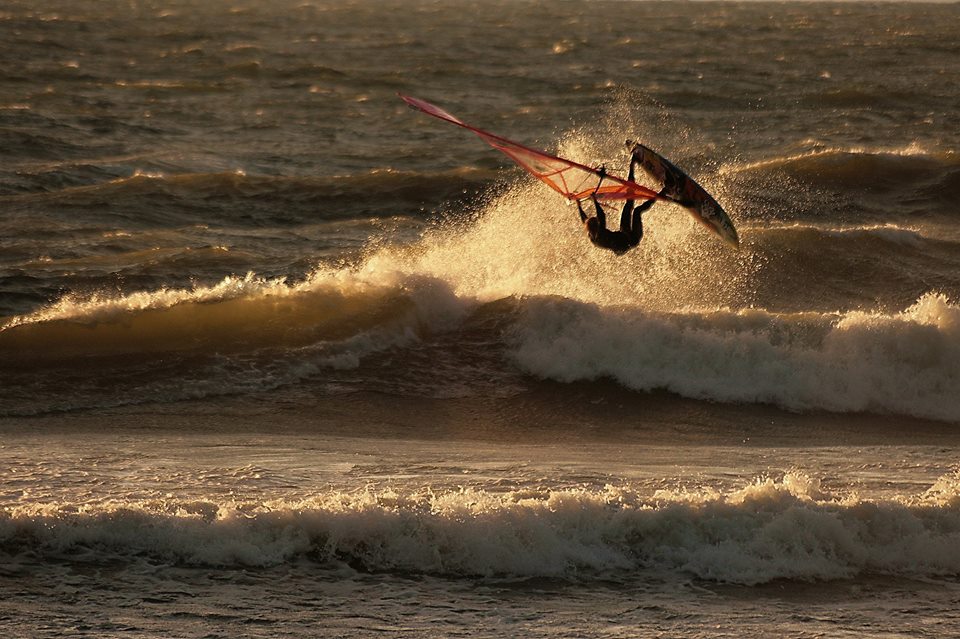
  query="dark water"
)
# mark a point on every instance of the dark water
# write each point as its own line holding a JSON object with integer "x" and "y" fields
{"x": 271, "y": 342}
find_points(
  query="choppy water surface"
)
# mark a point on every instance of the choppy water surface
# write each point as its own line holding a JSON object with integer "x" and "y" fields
{"x": 281, "y": 356}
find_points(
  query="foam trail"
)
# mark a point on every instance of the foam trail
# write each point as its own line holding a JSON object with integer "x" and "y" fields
{"x": 103, "y": 307}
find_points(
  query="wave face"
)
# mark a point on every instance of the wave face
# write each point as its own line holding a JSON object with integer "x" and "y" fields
{"x": 874, "y": 179}
{"x": 771, "y": 530}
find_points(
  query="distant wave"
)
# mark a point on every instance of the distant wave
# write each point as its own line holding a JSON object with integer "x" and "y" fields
{"x": 771, "y": 529}
{"x": 887, "y": 233}
{"x": 934, "y": 176}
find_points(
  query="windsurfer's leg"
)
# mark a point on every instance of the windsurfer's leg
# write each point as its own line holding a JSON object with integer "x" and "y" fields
{"x": 583, "y": 216}
{"x": 601, "y": 214}
{"x": 627, "y": 206}
{"x": 625, "y": 216}
{"x": 636, "y": 229}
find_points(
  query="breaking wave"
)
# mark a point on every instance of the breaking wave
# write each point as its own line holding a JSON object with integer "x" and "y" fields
{"x": 787, "y": 528}
{"x": 903, "y": 363}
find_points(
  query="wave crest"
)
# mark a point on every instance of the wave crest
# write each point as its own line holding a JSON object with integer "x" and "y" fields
{"x": 871, "y": 172}
{"x": 236, "y": 314}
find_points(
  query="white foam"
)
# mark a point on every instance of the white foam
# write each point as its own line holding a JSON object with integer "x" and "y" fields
{"x": 905, "y": 363}
{"x": 787, "y": 528}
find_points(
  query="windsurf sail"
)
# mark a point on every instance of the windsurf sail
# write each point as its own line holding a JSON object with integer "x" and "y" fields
{"x": 570, "y": 179}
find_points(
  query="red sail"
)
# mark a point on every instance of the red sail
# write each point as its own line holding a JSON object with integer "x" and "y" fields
{"x": 570, "y": 179}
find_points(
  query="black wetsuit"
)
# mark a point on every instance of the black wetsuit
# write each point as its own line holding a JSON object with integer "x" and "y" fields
{"x": 631, "y": 226}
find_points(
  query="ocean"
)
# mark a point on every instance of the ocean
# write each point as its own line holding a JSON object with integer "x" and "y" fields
{"x": 281, "y": 357}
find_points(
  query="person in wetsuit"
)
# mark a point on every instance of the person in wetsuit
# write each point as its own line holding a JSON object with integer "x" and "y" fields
{"x": 631, "y": 223}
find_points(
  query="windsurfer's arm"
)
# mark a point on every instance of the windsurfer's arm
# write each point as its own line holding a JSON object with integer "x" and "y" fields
{"x": 646, "y": 205}
{"x": 601, "y": 214}
{"x": 583, "y": 216}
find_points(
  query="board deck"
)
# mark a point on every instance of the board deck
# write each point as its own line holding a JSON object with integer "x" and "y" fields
{"x": 684, "y": 190}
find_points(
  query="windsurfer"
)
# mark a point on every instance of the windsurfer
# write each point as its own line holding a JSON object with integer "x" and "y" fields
{"x": 631, "y": 222}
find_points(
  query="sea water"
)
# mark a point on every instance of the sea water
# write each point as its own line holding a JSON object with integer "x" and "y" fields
{"x": 282, "y": 357}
